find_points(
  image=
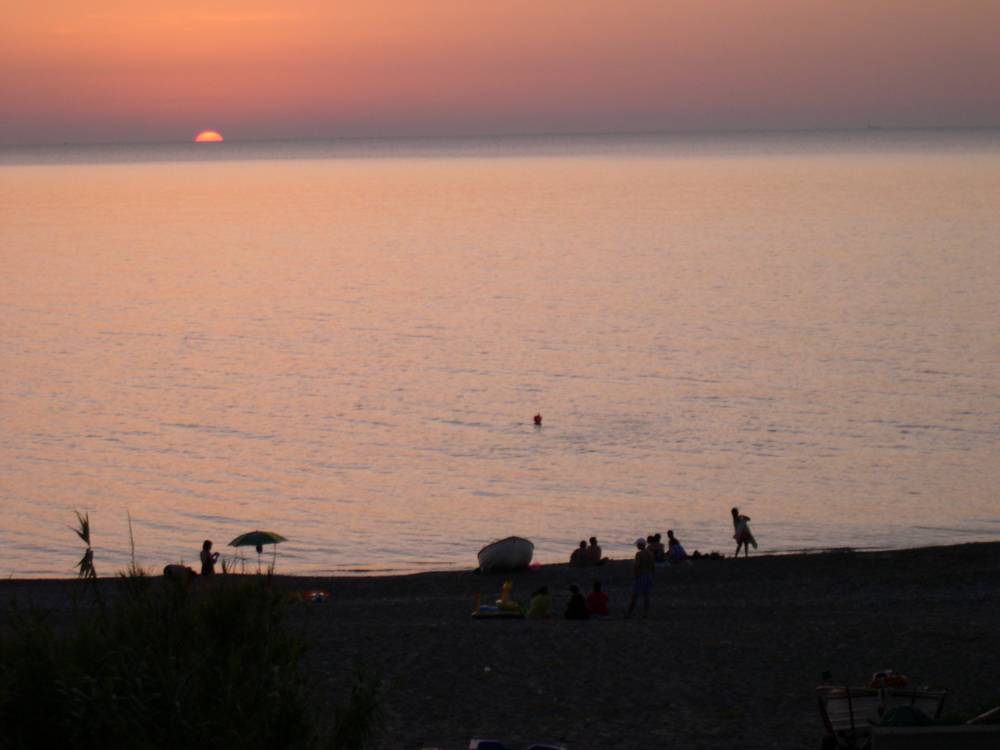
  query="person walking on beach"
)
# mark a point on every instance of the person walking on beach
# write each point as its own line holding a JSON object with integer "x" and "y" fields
{"x": 208, "y": 558}
{"x": 642, "y": 577}
{"x": 742, "y": 533}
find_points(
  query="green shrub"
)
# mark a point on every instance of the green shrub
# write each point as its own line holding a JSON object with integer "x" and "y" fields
{"x": 157, "y": 665}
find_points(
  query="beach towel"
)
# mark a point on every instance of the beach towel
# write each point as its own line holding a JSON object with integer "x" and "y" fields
{"x": 743, "y": 534}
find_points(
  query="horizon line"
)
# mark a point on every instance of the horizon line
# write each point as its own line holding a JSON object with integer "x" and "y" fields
{"x": 870, "y": 128}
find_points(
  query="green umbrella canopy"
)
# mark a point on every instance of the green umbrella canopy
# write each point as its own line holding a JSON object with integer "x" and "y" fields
{"x": 257, "y": 538}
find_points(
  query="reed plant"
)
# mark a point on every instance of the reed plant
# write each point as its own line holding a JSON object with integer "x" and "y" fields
{"x": 85, "y": 568}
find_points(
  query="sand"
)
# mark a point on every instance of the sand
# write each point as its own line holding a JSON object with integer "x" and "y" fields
{"x": 729, "y": 656}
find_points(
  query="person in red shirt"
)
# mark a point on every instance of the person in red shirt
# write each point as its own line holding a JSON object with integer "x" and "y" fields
{"x": 597, "y": 601}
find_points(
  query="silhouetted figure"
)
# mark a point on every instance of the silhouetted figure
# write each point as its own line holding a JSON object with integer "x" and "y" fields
{"x": 675, "y": 552}
{"x": 579, "y": 556}
{"x": 656, "y": 547}
{"x": 538, "y": 420}
{"x": 642, "y": 577}
{"x": 208, "y": 558}
{"x": 742, "y": 533}
{"x": 576, "y": 608}
{"x": 597, "y": 601}
{"x": 595, "y": 555}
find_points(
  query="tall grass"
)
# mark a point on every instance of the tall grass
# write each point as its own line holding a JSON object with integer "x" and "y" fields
{"x": 165, "y": 665}
{"x": 157, "y": 666}
{"x": 356, "y": 722}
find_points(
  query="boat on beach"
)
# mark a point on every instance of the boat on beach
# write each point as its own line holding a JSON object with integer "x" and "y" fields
{"x": 511, "y": 553}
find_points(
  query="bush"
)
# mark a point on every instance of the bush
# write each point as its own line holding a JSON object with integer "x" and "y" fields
{"x": 156, "y": 666}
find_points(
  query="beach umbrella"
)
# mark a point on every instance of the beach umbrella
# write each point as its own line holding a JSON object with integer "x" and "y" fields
{"x": 258, "y": 539}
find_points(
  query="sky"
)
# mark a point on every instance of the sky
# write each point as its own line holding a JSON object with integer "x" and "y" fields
{"x": 161, "y": 70}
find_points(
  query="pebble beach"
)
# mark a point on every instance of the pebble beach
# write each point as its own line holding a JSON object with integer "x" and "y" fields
{"x": 729, "y": 656}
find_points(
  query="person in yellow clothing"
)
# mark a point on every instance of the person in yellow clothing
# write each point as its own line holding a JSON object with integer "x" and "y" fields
{"x": 540, "y": 607}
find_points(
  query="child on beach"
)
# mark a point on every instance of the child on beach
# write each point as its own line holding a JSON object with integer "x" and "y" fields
{"x": 742, "y": 533}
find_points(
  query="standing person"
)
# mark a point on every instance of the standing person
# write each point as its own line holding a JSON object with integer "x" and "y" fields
{"x": 642, "y": 577}
{"x": 742, "y": 533}
{"x": 208, "y": 558}
{"x": 657, "y": 549}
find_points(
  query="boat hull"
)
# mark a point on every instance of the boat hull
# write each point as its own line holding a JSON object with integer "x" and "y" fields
{"x": 512, "y": 553}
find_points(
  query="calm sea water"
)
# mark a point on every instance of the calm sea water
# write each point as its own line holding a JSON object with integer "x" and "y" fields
{"x": 346, "y": 343}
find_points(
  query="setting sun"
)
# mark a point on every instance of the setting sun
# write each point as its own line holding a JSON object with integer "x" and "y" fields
{"x": 208, "y": 136}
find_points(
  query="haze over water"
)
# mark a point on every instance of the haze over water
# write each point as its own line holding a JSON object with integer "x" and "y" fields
{"x": 346, "y": 344}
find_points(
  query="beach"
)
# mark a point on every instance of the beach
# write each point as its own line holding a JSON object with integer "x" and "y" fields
{"x": 729, "y": 656}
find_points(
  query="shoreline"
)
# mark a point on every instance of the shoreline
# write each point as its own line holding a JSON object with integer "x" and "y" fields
{"x": 730, "y": 654}
{"x": 389, "y": 573}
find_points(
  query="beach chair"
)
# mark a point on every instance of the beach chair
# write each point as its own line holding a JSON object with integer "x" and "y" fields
{"x": 848, "y": 714}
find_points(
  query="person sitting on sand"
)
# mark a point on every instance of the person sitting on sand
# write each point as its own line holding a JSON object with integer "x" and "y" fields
{"x": 597, "y": 601}
{"x": 594, "y": 553}
{"x": 576, "y": 607}
{"x": 742, "y": 533}
{"x": 579, "y": 557}
{"x": 675, "y": 552}
{"x": 642, "y": 577}
{"x": 540, "y": 607}
{"x": 655, "y": 546}
{"x": 208, "y": 558}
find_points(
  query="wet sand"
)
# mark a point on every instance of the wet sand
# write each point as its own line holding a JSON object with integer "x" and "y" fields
{"x": 729, "y": 656}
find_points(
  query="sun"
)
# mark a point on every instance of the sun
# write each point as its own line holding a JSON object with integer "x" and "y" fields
{"x": 209, "y": 136}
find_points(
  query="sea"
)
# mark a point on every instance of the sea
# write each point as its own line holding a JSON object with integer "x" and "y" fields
{"x": 346, "y": 343}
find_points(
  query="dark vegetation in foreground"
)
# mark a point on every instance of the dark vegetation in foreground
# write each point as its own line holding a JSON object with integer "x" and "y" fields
{"x": 158, "y": 664}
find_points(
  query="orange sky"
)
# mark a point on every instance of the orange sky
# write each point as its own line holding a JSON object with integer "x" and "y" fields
{"x": 162, "y": 70}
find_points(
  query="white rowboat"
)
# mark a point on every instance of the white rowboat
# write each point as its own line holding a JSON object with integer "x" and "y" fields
{"x": 511, "y": 553}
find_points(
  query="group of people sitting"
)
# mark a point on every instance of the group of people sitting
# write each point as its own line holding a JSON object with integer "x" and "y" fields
{"x": 672, "y": 552}
{"x": 577, "y": 608}
{"x": 585, "y": 555}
